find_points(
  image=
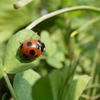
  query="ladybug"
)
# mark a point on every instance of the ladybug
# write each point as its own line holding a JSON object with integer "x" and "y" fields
{"x": 31, "y": 49}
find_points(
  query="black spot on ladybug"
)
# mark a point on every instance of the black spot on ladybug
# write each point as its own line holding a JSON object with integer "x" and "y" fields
{"x": 29, "y": 44}
{"x": 32, "y": 52}
{"x": 21, "y": 46}
{"x": 25, "y": 56}
{"x": 37, "y": 46}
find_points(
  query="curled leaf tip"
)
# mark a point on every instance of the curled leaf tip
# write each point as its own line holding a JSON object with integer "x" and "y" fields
{"x": 21, "y": 3}
{"x": 73, "y": 33}
{"x": 18, "y": 4}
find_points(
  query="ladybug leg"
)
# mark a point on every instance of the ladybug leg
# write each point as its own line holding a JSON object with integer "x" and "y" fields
{"x": 20, "y": 42}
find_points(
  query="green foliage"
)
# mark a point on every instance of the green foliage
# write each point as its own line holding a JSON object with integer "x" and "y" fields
{"x": 76, "y": 88}
{"x": 50, "y": 49}
{"x": 11, "y": 20}
{"x": 54, "y": 57}
{"x": 59, "y": 72}
{"x": 52, "y": 86}
{"x": 23, "y": 83}
{"x": 51, "y": 5}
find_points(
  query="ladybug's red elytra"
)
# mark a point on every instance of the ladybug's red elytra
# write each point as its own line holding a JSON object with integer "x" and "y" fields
{"x": 31, "y": 49}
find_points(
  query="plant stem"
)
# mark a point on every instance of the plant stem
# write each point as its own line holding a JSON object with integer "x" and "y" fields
{"x": 10, "y": 86}
{"x": 33, "y": 24}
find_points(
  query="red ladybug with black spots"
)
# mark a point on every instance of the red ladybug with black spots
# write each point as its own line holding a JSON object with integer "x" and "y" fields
{"x": 31, "y": 49}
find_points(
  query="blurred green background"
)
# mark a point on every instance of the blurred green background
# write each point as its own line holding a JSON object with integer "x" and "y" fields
{"x": 61, "y": 49}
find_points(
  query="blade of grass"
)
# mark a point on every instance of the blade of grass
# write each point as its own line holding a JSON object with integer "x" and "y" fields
{"x": 85, "y": 26}
{"x": 93, "y": 71}
{"x": 95, "y": 89}
{"x": 90, "y": 98}
{"x": 93, "y": 86}
{"x": 69, "y": 78}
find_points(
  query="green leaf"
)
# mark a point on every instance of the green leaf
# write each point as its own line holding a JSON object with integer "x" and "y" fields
{"x": 59, "y": 56}
{"x": 45, "y": 37}
{"x": 42, "y": 90}
{"x": 48, "y": 88}
{"x": 76, "y": 88}
{"x": 54, "y": 62}
{"x": 13, "y": 63}
{"x": 23, "y": 83}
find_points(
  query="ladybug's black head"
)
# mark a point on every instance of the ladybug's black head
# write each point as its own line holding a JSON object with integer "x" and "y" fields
{"x": 42, "y": 45}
